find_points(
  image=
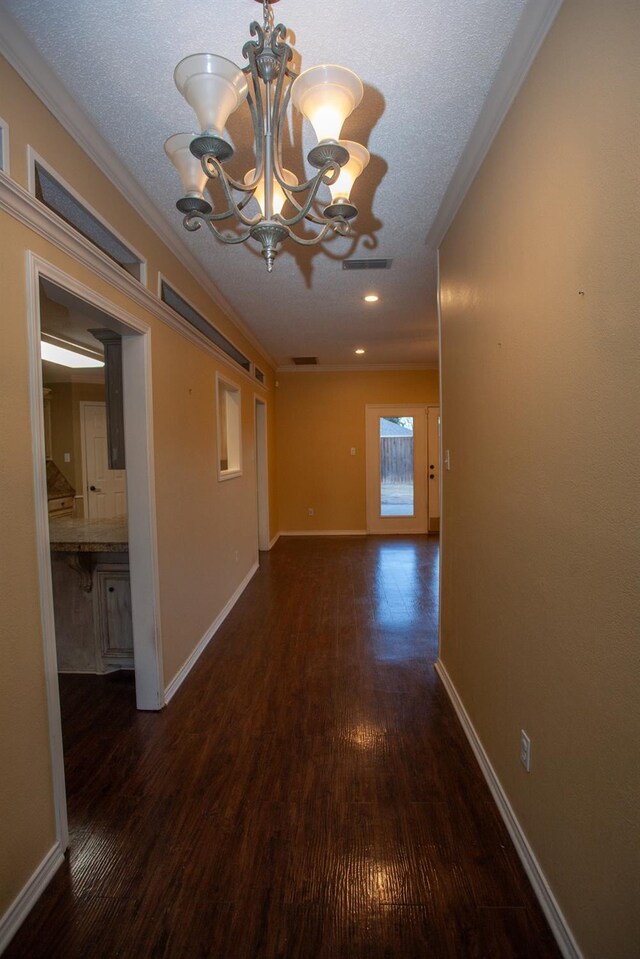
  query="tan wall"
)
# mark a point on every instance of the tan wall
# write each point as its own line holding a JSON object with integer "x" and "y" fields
{"x": 26, "y": 811}
{"x": 207, "y": 531}
{"x": 541, "y": 411}
{"x": 320, "y": 416}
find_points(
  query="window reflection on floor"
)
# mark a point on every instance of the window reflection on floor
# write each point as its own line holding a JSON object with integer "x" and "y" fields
{"x": 405, "y": 604}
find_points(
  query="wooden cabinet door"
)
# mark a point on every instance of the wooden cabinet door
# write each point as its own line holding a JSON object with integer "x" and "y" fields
{"x": 113, "y": 614}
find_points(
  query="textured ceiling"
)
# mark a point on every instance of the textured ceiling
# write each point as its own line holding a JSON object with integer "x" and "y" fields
{"x": 427, "y": 67}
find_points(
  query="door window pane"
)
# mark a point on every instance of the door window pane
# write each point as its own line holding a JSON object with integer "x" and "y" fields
{"x": 396, "y": 466}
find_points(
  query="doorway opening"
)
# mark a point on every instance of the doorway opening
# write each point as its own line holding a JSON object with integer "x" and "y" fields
{"x": 86, "y": 489}
{"x": 97, "y": 563}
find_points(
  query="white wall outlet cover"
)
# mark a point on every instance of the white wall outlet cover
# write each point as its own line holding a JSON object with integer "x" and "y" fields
{"x": 525, "y": 750}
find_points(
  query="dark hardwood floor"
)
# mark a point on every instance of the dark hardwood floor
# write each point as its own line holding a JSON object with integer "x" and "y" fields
{"x": 307, "y": 794}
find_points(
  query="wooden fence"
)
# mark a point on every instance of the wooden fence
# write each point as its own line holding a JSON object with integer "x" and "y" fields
{"x": 396, "y": 459}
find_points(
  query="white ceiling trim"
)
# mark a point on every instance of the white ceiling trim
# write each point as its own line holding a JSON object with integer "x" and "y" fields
{"x": 357, "y": 368}
{"x": 24, "y": 57}
{"x": 533, "y": 27}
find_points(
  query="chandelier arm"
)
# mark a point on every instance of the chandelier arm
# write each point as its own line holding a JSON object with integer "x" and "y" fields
{"x": 234, "y": 207}
{"x": 255, "y": 106}
{"x": 214, "y": 170}
{"x": 280, "y": 103}
{"x": 250, "y": 49}
{"x": 284, "y": 104}
{"x": 303, "y": 210}
{"x": 330, "y": 167}
{"x": 337, "y": 224}
{"x": 228, "y": 239}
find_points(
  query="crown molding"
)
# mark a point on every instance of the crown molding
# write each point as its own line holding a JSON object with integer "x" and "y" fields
{"x": 26, "y": 59}
{"x": 359, "y": 368}
{"x": 22, "y": 206}
{"x": 534, "y": 25}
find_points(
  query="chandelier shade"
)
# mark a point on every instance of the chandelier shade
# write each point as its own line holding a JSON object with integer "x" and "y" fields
{"x": 279, "y": 196}
{"x": 326, "y": 95}
{"x": 359, "y": 157}
{"x": 213, "y": 87}
{"x": 193, "y": 177}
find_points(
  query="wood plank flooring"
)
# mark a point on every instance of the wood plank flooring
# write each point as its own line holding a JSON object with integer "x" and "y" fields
{"x": 308, "y": 793}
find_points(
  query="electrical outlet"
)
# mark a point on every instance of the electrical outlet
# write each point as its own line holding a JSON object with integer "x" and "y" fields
{"x": 311, "y": 511}
{"x": 525, "y": 750}
{"x": 353, "y": 451}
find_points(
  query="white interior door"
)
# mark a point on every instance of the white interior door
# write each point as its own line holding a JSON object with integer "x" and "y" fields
{"x": 105, "y": 489}
{"x": 433, "y": 457}
{"x": 396, "y": 446}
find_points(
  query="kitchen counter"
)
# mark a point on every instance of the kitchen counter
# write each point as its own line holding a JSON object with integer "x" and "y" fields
{"x": 68, "y": 534}
{"x": 91, "y": 593}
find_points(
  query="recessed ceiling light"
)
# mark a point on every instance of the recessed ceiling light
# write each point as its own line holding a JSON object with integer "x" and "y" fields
{"x": 371, "y": 298}
{"x": 359, "y": 351}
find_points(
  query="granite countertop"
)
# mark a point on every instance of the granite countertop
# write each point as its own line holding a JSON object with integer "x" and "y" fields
{"x": 68, "y": 534}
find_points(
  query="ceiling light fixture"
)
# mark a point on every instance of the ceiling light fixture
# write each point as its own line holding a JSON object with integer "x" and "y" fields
{"x": 359, "y": 351}
{"x": 371, "y": 298}
{"x": 64, "y": 356}
{"x": 214, "y": 87}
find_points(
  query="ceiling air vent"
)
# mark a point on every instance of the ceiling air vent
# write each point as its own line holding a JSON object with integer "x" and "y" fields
{"x": 369, "y": 264}
{"x": 305, "y": 360}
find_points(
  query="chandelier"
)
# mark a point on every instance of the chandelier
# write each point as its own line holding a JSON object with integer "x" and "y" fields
{"x": 215, "y": 87}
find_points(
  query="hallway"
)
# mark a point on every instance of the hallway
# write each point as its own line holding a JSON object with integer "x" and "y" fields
{"x": 308, "y": 793}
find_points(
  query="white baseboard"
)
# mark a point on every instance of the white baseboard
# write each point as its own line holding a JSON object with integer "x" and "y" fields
{"x": 274, "y": 540}
{"x": 96, "y": 672}
{"x": 29, "y": 894}
{"x": 186, "y": 668}
{"x": 559, "y": 927}
{"x": 323, "y": 532}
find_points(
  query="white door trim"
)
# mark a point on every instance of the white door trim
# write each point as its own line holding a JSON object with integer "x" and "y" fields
{"x": 441, "y": 453}
{"x": 262, "y": 472}
{"x": 45, "y": 587}
{"x": 141, "y": 496}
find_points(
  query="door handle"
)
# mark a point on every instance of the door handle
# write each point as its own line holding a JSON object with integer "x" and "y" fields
{"x": 95, "y": 489}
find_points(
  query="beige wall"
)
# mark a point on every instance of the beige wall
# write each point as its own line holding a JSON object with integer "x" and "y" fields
{"x": 26, "y": 811}
{"x": 206, "y": 530}
{"x": 541, "y": 412}
{"x": 320, "y": 417}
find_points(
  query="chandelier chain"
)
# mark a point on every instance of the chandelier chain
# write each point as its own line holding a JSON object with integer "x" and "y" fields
{"x": 267, "y": 13}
